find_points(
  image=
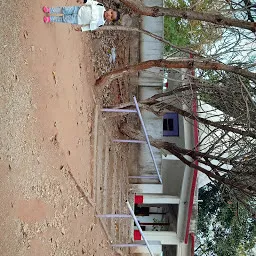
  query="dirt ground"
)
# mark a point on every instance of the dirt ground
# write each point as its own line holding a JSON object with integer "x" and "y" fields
{"x": 58, "y": 164}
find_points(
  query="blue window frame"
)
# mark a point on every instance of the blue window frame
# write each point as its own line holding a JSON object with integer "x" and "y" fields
{"x": 171, "y": 124}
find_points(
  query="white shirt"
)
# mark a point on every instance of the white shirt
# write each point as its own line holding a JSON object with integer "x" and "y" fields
{"x": 91, "y": 15}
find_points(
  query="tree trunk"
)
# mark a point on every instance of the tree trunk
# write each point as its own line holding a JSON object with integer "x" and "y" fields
{"x": 166, "y": 108}
{"x": 159, "y": 38}
{"x": 217, "y": 19}
{"x": 179, "y": 153}
{"x": 163, "y": 108}
{"x": 175, "y": 63}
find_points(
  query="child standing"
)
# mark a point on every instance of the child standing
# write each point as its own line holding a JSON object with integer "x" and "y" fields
{"x": 90, "y": 16}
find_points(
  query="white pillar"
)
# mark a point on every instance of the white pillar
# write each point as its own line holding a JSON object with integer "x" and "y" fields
{"x": 156, "y": 249}
{"x": 147, "y": 188}
{"x": 183, "y": 249}
{"x": 159, "y": 199}
{"x": 165, "y": 237}
{"x": 155, "y": 246}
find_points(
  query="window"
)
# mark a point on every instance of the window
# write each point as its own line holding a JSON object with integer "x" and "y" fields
{"x": 171, "y": 124}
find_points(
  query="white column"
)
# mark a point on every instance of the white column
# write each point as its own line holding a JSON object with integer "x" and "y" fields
{"x": 165, "y": 237}
{"x": 159, "y": 199}
{"x": 156, "y": 249}
{"x": 147, "y": 188}
{"x": 183, "y": 249}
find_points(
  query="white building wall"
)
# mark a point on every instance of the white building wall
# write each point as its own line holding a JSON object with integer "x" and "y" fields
{"x": 150, "y": 48}
{"x": 150, "y": 84}
{"x": 153, "y": 125}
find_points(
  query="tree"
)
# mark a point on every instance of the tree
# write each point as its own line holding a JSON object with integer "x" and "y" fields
{"x": 192, "y": 33}
{"x": 229, "y": 141}
{"x": 224, "y": 226}
{"x": 223, "y": 80}
{"x": 214, "y": 18}
{"x": 203, "y": 64}
{"x": 238, "y": 187}
{"x": 244, "y": 8}
{"x": 202, "y": 23}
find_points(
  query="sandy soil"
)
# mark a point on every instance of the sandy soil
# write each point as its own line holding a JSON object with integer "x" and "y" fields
{"x": 58, "y": 165}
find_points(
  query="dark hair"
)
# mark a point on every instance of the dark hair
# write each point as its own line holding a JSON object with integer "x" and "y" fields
{"x": 117, "y": 16}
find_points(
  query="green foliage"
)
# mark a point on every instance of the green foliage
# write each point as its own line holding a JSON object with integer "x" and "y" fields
{"x": 224, "y": 227}
{"x": 175, "y": 32}
{"x": 192, "y": 33}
